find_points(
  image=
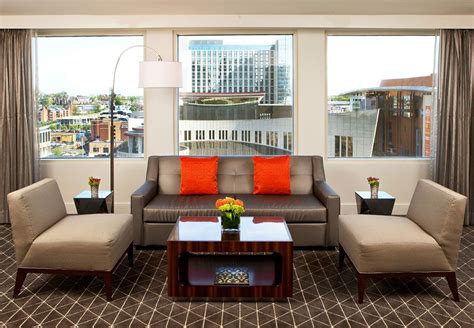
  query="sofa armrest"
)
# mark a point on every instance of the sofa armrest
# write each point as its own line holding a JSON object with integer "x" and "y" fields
{"x": 332, "y": 201}
{"x": 139, "y": 199}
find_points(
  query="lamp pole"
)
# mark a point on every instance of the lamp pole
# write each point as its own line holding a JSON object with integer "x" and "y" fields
{"x": 112, "y": 127}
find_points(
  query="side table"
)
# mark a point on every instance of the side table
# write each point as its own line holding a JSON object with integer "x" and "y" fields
{"x": 383, "y": 205}
{"x": 85, "y": 204}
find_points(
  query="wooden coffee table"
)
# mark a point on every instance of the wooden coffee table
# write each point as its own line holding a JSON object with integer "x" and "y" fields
{"x": 263, "y": 249}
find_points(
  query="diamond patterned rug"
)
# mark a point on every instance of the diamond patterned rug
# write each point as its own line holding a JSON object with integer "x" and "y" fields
{"x": 323, "y": 297}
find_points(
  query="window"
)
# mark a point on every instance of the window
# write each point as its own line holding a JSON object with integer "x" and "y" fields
{"x": 380, "y": 95}
{"x": 239, "y": 85}
{"x": 74, "y": 80}
{"x": 343, "y": 146}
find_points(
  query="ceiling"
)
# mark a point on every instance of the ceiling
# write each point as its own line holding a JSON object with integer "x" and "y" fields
{"x": 236, "y": 7}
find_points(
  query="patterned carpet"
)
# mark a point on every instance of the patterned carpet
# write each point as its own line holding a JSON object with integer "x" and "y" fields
{"x": 323, "y": 296}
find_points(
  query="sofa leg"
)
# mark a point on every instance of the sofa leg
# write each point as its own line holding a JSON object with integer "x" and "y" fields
{"x": 130, "y": 255}
{"x": 361, "y": 284}
{"x": 20, "y": 279}
{"x": 108, "y": 285}
{"x": 342, "y": 255}
{"x": 453, "y": 285}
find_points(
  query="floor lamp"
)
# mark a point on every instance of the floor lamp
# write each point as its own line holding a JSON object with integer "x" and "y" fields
{"x": 152, "y": 74}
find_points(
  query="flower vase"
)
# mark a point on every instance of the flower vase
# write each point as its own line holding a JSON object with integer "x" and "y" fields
{"x": 374, "y": 191}
{"x": 95, "y": 191}
{"x": 230, "y": 222}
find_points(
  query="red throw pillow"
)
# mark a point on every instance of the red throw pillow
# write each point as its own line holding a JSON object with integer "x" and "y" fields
{"x": 199, "y": 176}
{"x": 271, "y": 175}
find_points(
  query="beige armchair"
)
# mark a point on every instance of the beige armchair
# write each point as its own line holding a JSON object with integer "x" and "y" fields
{"x": 424, "y": 243}
{"x": 47, "y": 240}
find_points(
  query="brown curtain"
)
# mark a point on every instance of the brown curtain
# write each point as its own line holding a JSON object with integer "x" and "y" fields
{"x": 17, "y": 123}
{"x": 453, "y": 163}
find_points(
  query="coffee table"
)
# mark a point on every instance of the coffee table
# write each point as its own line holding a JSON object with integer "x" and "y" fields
{"x": 197, "y": 249}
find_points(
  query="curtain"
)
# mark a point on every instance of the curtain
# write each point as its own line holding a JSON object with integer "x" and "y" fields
{"x": 453, "y": 162}
{"x": 18, "y": 163}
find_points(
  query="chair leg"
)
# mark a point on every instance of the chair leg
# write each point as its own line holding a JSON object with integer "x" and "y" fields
{"x": 20, "y": 279}
{"x": 108, "y": 285}
{"x": 361, "y": 284}
{"x": 453, "y": 285}
{"x": 342, "y": 255}
{"x": 130, "y": 255}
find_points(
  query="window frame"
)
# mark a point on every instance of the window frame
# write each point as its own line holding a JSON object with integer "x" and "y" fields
{"x": 383, "y": 32}
{"x": 250, "y": 32}
{"x": 89, "y": 33}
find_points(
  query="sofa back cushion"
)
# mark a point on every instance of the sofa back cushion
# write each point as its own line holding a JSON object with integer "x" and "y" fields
{"x": 33, "y": 210}
{"x": 440, "y": 212}
{"x": 235, "y": 175}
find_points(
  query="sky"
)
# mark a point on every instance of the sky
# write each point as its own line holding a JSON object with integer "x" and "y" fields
{"x": 84, "y": 65}
{"x": 355, "y": 62}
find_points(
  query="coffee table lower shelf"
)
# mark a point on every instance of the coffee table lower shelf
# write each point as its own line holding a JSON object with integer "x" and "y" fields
{"x": 197, "y": 276}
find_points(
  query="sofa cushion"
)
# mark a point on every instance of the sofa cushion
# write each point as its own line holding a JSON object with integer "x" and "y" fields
{"x": 82, "y": 242}
{"x": 235, "y": 174}
{"x": 377, "y": 243}
{"x": 294, "y": 208}
{"x": 198, "y": 175}
{"x": 271, "y": 175}
{"x": 167, "y": 208}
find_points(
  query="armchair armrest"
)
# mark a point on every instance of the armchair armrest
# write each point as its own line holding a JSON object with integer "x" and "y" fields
{"x": 139, "y": 199}
{"x": 332, "y": 201}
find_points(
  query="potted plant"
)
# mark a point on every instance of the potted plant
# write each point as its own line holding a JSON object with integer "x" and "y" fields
{"x": 374, "y": 183}
{"x": 231, "y": 209}
{"x": 94, "y": 184}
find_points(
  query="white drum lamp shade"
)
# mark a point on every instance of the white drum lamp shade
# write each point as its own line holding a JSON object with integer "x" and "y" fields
{"x": 160, "y": 74}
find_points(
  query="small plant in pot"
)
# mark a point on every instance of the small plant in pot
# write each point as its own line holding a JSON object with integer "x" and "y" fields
{"x": 231, "y": 209}
{"x": 374, "y": 183}
{"x": 94, "y": 184}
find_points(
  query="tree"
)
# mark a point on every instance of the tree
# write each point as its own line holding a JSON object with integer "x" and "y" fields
{"x": 119, "y": 100}
{"x": 57, "y": 151}
{"x": 46, "y": 100}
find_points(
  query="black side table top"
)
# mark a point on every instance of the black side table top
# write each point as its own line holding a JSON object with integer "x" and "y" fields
{"x": 383, "y": 205}
{"x": 86, "y": 204}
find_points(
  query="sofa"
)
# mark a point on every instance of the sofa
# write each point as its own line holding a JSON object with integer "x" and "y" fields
{"x": 311, "y": 210}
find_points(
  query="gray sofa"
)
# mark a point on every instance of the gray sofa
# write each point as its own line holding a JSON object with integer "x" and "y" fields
{"x": 311, "y": 210}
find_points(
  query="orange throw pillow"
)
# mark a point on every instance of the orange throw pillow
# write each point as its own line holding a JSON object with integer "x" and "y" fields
{"x": 271, "y": 175}
{"x": 199, "y": 175}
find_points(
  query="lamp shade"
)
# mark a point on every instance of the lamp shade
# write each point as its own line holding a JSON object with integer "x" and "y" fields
{"x": 160, "y": 74}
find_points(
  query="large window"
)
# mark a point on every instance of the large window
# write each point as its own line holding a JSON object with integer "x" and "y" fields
{"x": 73, "y": 95}
{"x": 380, "y": 95}
{"x": 238, "y": 95}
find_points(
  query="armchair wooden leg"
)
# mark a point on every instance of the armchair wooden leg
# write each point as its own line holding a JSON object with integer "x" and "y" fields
{"x": 130, "y": 255}
{"x": 342, "y": 255}
{"x": 108, "y": 285}
{"x": 361, "y": 284}
{"x": 453, "y": 285}
{"x": 20, "y": 279}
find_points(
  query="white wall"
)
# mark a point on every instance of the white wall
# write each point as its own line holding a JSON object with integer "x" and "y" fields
{"x": 398, "y": 176}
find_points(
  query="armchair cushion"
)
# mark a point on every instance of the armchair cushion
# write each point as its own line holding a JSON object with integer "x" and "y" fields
{"x": 377, "y": 243}
{"x": 93, "y": 242}
{"x": 440, "y": 212}
{"x": 33, "y": 210}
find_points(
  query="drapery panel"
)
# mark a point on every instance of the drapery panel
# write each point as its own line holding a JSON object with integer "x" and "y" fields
{"x": 453, "y": 163}
{"x": 18, "y": 166}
